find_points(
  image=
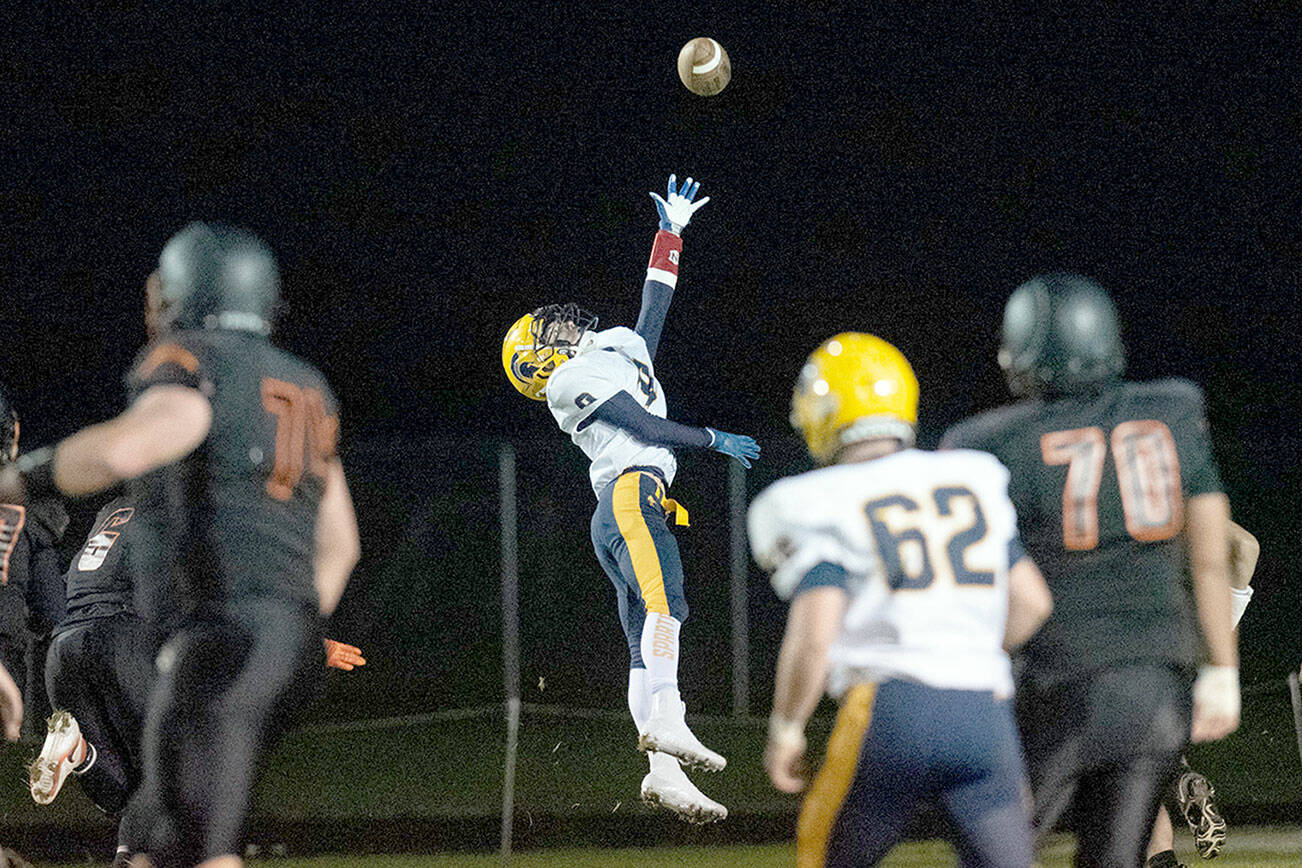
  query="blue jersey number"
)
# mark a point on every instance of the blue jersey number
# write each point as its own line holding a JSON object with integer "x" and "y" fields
{"x": 897, "y": 524}
{"x": 645, "y": 382}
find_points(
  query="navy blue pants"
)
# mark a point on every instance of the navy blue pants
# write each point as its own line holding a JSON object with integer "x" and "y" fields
{"x": 899, "y": 743}
{"x": 631, "y": 536}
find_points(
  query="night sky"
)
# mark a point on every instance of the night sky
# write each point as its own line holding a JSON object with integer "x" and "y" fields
{"x": 428, "y": 172}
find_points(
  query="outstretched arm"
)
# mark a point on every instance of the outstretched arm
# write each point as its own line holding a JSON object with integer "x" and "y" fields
{"x": 662, "y": 271}
{"x": 165, "y": 424}
{"x": 623, "y": 411}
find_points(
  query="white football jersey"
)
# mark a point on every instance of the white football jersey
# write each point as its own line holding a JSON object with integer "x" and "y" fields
{"x": 925, "y": 540}
{"x": 609, "y": 361}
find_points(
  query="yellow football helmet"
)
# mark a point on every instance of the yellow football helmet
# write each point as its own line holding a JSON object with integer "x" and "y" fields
{"x": 540, "y": 342}
{"x": 854, "y": 387}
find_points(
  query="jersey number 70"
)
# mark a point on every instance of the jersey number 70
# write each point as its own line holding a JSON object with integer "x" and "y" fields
{"x": 1148, "y": 474}
{"x": 305, "y": 434}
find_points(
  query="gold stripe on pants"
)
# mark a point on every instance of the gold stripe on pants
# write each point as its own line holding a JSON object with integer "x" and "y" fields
{"x": 823, "y": 804}
{"x": 627, "y": 506}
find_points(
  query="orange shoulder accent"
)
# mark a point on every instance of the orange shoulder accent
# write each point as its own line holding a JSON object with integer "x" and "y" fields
{"x": 164, "y": 353}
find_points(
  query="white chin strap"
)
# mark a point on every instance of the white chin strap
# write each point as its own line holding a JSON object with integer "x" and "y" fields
{"x": 872, "y": 427}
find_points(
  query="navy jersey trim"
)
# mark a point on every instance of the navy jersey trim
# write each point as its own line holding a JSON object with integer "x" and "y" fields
{"x": 823, "y": 575}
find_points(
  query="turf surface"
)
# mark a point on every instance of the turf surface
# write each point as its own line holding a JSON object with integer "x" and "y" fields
{"x": 1260, "y": 847}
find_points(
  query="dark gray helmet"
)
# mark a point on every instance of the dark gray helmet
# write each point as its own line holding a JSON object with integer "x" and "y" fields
{"x": 218, "y": 277}
{"x": 1060, "y": 336}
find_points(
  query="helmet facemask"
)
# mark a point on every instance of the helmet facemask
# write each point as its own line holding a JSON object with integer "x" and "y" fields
{"x": 557, "y": 330}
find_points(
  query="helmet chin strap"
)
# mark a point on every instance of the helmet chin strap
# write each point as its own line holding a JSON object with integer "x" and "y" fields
{"x": 585, "y": 342}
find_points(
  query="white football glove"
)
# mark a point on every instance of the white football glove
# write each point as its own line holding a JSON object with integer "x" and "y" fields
{"x": 676, "y": 211}
{"x": 1215, "y": 702}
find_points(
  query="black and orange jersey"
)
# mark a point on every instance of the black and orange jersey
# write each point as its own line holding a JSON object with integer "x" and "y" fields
{"x": 1099, "y": 482}
{"x": 98, "y": 583}
{"x": 237, "y": 517}
{"x": 31, "y": 580}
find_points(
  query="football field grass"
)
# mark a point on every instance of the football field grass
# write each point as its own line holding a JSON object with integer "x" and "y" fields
{"x": 1259, "y": 847}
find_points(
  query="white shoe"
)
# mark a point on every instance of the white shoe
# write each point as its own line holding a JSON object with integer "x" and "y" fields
{"x": 64, "y": 750}
{"x": 666, "y": 786}
{"x": 667, "y": 732}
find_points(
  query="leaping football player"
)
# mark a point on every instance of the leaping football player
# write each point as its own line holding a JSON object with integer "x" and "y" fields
{"x": 907, "y": 584}
{"x": 602, "y": 390}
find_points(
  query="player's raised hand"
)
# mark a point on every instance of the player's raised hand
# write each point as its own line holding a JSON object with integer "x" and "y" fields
{"x": 341, "y": 656}
{"x": 738, "y": 446}
{"x": 1215, "y": 703}
{"x": 676, "y": 211}
{"x": 11, "y": 705}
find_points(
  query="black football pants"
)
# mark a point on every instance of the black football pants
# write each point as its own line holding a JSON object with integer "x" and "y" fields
{"x": 102, "y": 671}
{"x": 229, "y": 684}
{"x": 1110, "y": 741}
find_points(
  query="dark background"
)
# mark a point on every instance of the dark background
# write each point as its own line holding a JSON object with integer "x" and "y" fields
{"x": 427, "y": 173}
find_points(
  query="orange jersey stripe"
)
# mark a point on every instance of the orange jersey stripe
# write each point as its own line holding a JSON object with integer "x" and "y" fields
{"x": 165, "y": 353}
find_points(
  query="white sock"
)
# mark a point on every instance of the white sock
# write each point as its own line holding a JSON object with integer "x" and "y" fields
{"x": 660, "y": 651}
{"x": 88, "y": 760}
{"x": 639, "y": 698}
{"x": 663, "y": 763}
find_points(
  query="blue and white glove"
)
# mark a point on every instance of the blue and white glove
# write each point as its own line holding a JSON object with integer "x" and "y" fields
{"x": 737, "y": 446}
{"x": 676, "y": 211}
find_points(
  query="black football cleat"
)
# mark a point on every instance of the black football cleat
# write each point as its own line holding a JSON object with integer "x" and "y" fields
{"x": 1196, "y": 793}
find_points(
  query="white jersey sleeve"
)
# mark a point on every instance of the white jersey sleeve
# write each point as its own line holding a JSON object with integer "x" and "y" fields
{"x": 788, "y": 538}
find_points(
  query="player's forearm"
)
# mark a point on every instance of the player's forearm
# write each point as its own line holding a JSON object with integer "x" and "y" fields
{"x": 338, "y": 543}
{"x": 336, "y": 557}
{"x": 1029, "y": 603}
{"x": 658, "y": 290}
{"x": 331, "y": 579}
{"x": 1244, "y": 551}
{"x": 622, "y": 411}
{"x": 656, "y": 297}
{"x": 1207, "y": 532}
{"x": 812, "y": 625}
{"x": 800, "y": 681}
{"x": 93, "y": 460}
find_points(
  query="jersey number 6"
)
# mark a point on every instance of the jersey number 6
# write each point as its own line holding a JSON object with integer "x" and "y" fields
{"x": 303, "y": 430}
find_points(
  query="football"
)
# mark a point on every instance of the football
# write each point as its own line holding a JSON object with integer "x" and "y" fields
{"x": 704, "y": 67}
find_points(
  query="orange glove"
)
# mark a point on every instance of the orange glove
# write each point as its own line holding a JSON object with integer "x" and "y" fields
{"x": 341, "y": 656}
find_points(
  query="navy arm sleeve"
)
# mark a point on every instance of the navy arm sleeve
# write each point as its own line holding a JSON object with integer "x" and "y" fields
{"x": 623, "y": 411}
{"x": 656, "y": 297}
